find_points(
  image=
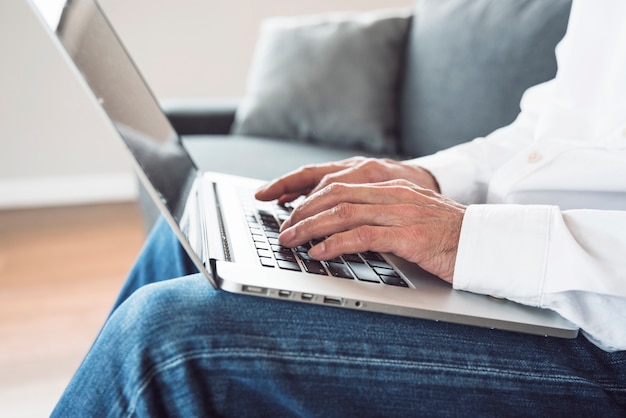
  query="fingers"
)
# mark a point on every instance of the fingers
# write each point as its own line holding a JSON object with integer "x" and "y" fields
{"x": 356, "y": 170}
{"x": 390, "y": 192}
{"x": 293, "y": 184}
{"x": 364, "y": 238}
{"x": 413, "y": 223}
{"x": 372, "y": 170}
{"x": 347, "y": 216}
{"x": 301, "y": 181}
{"x": 366, "y": 170}
{"x": 343, "y": 217}
{"x": 402, "y": 242}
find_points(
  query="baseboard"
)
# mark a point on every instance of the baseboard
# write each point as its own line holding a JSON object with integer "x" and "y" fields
{"x": 70, "y": 190}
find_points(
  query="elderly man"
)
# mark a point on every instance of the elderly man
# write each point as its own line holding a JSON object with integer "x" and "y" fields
{"x": 535, "y": 212}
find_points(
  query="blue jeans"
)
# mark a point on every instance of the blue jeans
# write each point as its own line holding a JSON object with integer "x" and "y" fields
{"x": 179, "y": 348}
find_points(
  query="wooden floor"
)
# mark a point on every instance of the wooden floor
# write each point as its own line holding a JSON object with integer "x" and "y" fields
{"x": 60, "y": 271}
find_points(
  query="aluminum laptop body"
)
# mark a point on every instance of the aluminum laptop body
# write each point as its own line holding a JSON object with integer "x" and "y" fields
{"x": 206, "y": 211}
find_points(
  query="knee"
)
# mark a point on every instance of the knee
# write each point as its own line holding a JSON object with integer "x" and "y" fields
{"x": 158, "y": 309}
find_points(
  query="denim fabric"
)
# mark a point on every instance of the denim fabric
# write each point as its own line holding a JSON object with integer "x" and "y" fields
{"x": 179, "y": 348}
{"x": 161, "y": 258}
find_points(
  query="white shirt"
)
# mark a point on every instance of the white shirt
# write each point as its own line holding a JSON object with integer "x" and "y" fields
{"x": 546, "y": 225}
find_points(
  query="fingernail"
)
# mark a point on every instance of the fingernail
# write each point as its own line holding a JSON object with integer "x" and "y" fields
{"x": 318, "y": 250}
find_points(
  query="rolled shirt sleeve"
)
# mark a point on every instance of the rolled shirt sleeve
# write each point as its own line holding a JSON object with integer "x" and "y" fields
{"x": 571, "y": 262}
{"x": 546, "y": 225}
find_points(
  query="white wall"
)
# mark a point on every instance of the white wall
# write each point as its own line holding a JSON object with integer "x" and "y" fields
{"x": 55, "y": 145}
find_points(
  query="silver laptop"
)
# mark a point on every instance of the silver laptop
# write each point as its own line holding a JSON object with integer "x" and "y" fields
{"x": 231, "y": 238}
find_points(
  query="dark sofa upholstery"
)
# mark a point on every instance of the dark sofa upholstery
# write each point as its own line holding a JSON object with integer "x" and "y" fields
{"x": 465, "y": 68}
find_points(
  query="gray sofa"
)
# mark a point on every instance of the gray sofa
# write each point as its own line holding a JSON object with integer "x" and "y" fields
{"x": 459, "y": 72}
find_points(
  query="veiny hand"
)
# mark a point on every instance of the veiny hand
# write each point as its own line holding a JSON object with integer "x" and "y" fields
{"x": 357, "y": 170}
{"x": 396, "y": 216}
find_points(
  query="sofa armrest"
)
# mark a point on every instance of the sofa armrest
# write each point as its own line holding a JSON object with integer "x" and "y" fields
{"x": 200, "y": 116}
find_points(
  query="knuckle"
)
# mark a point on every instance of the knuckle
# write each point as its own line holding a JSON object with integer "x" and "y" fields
{"x": 403, "y": 192}
{"x": 328, "y": 179}
{"x": 365, "y": 235}
{"x": 304, "y": 230}
{"x": 406, "y": 209}
{"x": 334, "y": 189}
{"x": 343, "y": 211}
{"x": 335, "y": 243}
{"x": 370, "y": 164}
{"x": 295, "y": 214}
{"x": 373, "y": 169}
{"x": 405, "y": 183}
{"x": 355, "y": 160}
{"x": 306, "y": 168}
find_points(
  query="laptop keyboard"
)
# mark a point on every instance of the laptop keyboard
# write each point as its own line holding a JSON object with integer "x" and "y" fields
{"x": 264, "y": 221}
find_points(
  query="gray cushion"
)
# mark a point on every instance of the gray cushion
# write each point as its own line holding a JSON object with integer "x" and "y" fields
{"x": 330, "y": 79}
{"x": 463, "y": 77}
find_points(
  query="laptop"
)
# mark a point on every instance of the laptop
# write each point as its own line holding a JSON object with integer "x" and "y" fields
{"x": 231, "y": 237}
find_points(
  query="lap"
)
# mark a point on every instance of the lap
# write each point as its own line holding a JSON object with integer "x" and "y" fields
{"x": 213, "y": 351}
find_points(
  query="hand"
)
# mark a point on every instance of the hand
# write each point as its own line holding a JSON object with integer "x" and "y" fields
{"x": 357, "y": 170}
{"x": 396, "y": 216}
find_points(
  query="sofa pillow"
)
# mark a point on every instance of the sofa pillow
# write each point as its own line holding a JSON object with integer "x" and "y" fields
{"x": 468, "y": 64}
{"x": 330, "y": 79}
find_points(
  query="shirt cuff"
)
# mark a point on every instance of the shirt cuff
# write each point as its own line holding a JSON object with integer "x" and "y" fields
{"x": 503, "y": 251}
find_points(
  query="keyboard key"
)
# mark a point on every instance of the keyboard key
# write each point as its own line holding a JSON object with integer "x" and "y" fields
{"x": 304, "y": 256}
{"x": 264, "y": 253}
{"x": 303, "y": 248}
{"x": 264, "y": 222}
{"x": 339, "y": 270}
{"x": 363, "y": 272}
{"x": 382, "y": 264}
{"x": 256, "y": 231}
{"x": 352, "y": 258}
{"x": 288, "y": 265}
{"x": 269, "y": 221}
{"x": 385, "y": 272}
{"x": 285, "y": 256}
{"x": 281, "y": 249}
{"x": 271, "y": 228}
{"x": 372, "y": 256}
{"x": 267, "y": 262}
{"x": 394, "y": 281}
{"x": 314, "y": 266}
{"x": 258, "y": 238}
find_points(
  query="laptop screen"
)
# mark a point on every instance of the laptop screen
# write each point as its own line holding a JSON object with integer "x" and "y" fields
{"x": 97, "y": 52}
